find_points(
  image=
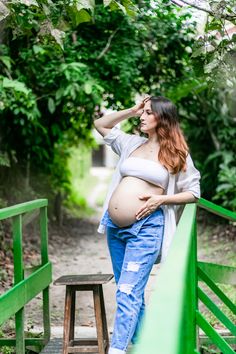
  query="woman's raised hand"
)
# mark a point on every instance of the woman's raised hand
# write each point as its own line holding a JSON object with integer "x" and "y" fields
{"x": 138, "y": 108}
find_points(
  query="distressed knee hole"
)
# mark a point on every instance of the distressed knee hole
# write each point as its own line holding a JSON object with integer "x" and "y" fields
{"x": 133, "y": 266}
{"x": 126, "y": 288}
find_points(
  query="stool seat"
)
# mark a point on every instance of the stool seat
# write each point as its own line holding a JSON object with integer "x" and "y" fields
{"x": 85, "y": 282}
{"x": 84, "y": 279}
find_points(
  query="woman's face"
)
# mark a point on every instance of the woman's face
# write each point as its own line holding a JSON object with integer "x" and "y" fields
{"x": 148, "y": 121}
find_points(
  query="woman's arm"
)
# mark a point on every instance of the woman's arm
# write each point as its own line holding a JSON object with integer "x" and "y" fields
{"x": 154, "y": 201}
{"x": 104, "y": 124}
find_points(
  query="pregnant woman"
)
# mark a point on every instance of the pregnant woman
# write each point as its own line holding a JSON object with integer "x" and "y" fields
{"x": 154, "y": 174}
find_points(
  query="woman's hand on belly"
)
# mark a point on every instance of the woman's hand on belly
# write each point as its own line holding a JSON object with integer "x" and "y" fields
{"x": 153, "y": 202}
{"x": 125, "y": 201}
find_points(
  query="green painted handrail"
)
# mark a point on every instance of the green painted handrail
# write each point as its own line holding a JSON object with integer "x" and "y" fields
{"x": 172, "y": 318}
{"x": 22, "y": 208}
{"x": 12, "y": 302}
{"x": 216, "y": 209}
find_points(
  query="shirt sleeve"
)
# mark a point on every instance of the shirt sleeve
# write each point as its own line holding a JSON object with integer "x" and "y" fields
{"x": 189, "y": 181}
{"x": 117, "y": 140}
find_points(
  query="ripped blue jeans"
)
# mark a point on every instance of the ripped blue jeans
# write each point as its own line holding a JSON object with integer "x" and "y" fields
{"x": 133, "y": 250}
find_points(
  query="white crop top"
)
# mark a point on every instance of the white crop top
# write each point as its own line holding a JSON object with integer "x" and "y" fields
{"x": 148, "y": 170}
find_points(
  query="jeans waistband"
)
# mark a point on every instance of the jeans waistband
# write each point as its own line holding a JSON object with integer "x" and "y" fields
{"x": 157, "y": 214}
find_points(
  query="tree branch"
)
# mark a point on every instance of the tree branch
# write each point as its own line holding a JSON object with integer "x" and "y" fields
{"x": 105, "y": 50}
{"x": 176, "y": 3}
{"x": 227, "y": 17}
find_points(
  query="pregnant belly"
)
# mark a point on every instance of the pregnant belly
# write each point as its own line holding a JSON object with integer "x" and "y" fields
{"x": 125, "y": 202}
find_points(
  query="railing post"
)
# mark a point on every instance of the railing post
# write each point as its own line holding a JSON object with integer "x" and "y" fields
{"x": 44, "y": 258}
{"x": 18, "y": 277}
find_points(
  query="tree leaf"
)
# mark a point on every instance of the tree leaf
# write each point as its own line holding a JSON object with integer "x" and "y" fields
{"x": 88, "y": 87}
{"x": 212, "y": 65}
{"x": 199, "y": 51}
{"x": 38, "y": 49}
{"x": 58, "y": 36}
{"x": 27, "y": 2}
{"x": 123, "y": 9}
{"x": 85, "y": 4}
{"x": 7, "y": 61}
{"x": 51, "y": 105}
{"x": 82, "y": 16}
{"x": 4, "y": 11}
{"x": 107, "y": 2}
{"x": 16, "y": 85}
{"x": 4, "y": 160}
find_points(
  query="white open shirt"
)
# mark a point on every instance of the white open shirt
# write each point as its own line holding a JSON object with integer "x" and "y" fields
{"x": 124, "y": 144}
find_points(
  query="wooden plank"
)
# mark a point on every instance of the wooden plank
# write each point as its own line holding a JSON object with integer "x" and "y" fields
{"x": 84, "y": 279}
{"x": 104, "y": 320}
{"x": 98, "y": 318}
{"x": 53, "y": 347}
{"x": 81, "y": 349}
{"x": 67, "y": 318}
{"x": 72, "y": 317}
{"x": 56, "y": 344}
{"x": 85, "y": 341}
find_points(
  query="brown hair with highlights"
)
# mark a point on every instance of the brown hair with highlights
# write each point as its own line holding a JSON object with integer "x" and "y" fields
{"x": 173, "y": 147}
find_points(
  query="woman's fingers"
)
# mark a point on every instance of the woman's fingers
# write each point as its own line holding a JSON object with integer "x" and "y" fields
{"x": 143, "y": 215}
{"x": 144, "y": 211}
{"x": 147, "y": 98}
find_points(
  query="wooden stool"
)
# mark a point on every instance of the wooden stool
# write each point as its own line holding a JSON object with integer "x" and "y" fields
{"x": 86, "y": 282}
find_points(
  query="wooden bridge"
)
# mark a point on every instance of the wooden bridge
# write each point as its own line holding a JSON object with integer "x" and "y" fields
{"x": 173, "y": 317}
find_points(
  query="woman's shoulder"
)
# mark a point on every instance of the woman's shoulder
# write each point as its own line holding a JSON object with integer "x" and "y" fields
{"x": 116, "y": 132}
{"x": 120, "y": 141}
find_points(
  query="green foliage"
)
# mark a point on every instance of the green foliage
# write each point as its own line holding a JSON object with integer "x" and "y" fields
{"x": 55, "y": 74}
{"x": 210, "y": 126}
{"x": 226, "y": 189}
{"x": 80, "y": 180}
{"x": 213, "y": 53}
{"x": 5, "y": 349}
{"x": 49, "y": 96}
{"x": 49, "y": 20}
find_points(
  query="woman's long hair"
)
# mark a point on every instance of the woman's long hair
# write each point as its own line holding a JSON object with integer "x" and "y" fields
{"x": 173, "y": 147}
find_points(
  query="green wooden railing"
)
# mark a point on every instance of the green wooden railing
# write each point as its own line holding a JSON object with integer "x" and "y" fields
{"x": 173, "y": 318}
{"x": 12, "y": 302}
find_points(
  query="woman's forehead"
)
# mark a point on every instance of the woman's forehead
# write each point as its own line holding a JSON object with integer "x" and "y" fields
{"x": 148, "y": 105}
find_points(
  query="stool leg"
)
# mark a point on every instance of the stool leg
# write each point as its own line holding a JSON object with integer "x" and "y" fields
{"x": 72, "y": 317}
{"x": 67, "y": 319}
{"x": 98, "y": 317}
{"x": 104, "y": 320}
